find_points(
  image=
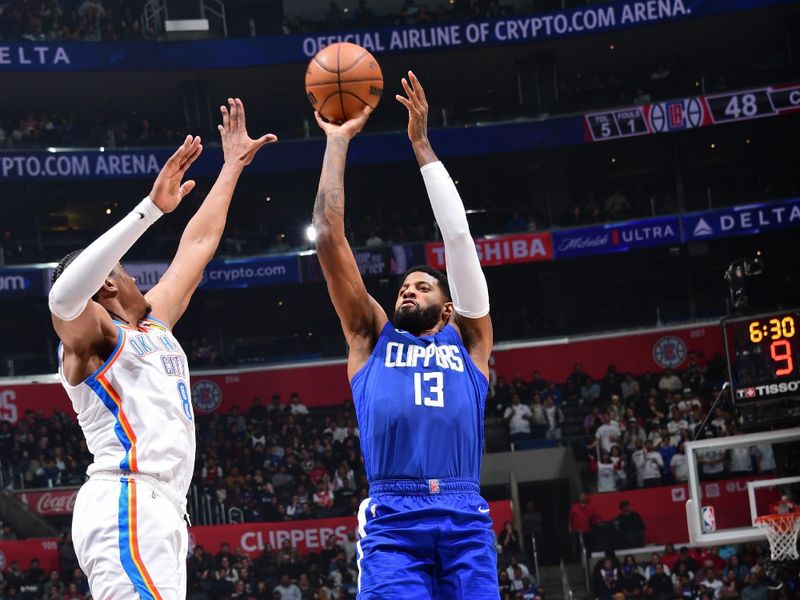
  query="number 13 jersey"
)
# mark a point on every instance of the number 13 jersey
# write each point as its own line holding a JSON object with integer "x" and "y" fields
{"x": 419, "y": 403}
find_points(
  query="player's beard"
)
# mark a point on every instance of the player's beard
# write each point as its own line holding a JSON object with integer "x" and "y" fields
{"x": 417, "y": 319}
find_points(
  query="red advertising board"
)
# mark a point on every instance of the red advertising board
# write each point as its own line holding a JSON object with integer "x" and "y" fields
{"x": 645, "y": 352}
{"x": 49, "y": 503}
{"x": 304, "y": 536}
{"x": 45, "y": 550}
{"x": 501, "y": 250}
{"x": 325, "y": 384}
{"x": 663, "y": 509}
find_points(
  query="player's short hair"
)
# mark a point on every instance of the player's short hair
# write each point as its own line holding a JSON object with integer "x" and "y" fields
{"x": 440, "y": 278}
{"x": 63, "y": 264}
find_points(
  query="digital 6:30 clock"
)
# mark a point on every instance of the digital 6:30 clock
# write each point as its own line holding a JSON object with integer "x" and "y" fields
{"x": 763, "y": 355}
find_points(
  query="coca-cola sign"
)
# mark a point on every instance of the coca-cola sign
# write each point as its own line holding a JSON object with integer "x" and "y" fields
{"x": 50, "y": 503}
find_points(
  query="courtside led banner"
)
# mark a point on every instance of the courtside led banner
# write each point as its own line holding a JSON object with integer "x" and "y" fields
{"x": 21, "y": 283}
{"x": 283, "y": 49}
{"x": 690, "y": 113}
{"x": 746, "y": 219}
{"x": 616, "y": 237}
{"x": 303, "y": 537}
{"x": 663, "y": 508}
{"x": 326, "y": 384}
{"x": 501, "y": 250}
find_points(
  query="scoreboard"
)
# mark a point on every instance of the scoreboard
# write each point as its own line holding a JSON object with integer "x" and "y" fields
{"x": 690, "y": 113}
{"x": 764, "y": 356}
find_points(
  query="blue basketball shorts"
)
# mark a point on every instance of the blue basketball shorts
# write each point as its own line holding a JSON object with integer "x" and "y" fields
{"x": 426, "y": 540}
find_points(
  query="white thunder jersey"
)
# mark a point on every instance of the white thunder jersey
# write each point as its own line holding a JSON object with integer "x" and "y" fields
{"x": 136, "y": 410}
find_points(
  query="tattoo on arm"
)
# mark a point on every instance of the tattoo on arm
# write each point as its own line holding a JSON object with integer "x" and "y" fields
{"x": 329, "y": 203}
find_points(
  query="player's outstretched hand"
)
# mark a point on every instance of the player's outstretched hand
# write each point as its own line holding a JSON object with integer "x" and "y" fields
{"x": 349, "y": 128}
{"x": 417, "y": 106}
{"x": 168, "y": 191}
{"x": 237, "y": 146}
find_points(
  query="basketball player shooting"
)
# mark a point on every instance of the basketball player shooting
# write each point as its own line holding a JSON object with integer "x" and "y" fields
{"x": 419, "y": 386}
{"x": 127, "y": 378}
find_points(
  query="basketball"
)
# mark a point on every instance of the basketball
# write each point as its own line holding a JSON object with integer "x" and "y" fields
{"x": 341, "y": 79}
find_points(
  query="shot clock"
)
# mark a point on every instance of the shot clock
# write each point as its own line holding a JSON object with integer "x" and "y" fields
{"x": 764, "y": 355}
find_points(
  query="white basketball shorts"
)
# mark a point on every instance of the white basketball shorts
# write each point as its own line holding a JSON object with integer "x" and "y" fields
{"x": 130, "y": 538}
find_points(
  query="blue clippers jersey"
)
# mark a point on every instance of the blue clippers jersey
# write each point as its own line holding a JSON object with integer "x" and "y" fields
{"x": 419, "y": 403}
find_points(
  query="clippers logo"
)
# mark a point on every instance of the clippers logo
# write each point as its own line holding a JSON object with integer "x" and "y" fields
{"x": 206, "y": 396}
{"x": 669, "y": 352}
{"x": 673, "y": 116}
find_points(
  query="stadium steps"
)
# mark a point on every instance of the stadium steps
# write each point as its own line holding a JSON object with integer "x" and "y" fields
{"x": 496, "y": 435}
{"x": 573, "y": 419}
{"x": 551, "y": 581}
{"x": 25, "y": 523}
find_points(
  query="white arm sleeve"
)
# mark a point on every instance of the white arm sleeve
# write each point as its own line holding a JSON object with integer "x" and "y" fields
{"x": 467, "y": 281}
{"x": 86, "y": 274}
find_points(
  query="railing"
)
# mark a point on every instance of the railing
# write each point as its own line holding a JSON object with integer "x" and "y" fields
{"x": 535, "y": 558}
{"x": 154, "y": 14}
{"x": 565, "y": 587}
{"x": 587, "y": 575}
{"x": 205, "y": 509}
{"x": 215, "y": 8}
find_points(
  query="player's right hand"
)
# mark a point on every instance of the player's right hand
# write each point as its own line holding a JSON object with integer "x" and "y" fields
{"x": 168, "y": 191}
{"x": 417, "y": 105}
{"x": 349, "y": 129}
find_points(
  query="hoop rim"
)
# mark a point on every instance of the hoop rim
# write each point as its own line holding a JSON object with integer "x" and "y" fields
{"x": 793, "y": 516}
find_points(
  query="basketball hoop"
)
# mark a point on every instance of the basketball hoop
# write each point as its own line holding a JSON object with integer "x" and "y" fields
{"x": 781, "y": 530}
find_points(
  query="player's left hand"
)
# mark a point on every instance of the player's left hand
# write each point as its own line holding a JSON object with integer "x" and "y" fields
{"x": 237, "y": 146}
{"x": 417, "y": 106}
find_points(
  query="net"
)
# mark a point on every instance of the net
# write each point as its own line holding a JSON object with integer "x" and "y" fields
{"x": 781, "y": 530}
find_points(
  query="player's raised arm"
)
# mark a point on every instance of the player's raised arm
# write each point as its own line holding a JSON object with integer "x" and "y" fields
{"x": 467, "y": 282}
{"x": 361, "y": 316}
{"x": 85, "y": 327}
{"x": 201, "y": 237}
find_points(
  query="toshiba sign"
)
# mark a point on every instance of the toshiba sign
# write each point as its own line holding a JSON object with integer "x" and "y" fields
{"x": 502, "y": 250}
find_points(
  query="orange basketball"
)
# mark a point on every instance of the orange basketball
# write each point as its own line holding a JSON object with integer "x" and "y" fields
{"x": 341, "y": 79}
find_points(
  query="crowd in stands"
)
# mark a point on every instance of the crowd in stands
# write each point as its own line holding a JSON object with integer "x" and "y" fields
{"x": 275, "y": 462}
{"x": 73, "y": 21}
{"x": 274, "y": 574}
{"x": 713, "y": 573}
{"x": 102, "y": 130}
{"x": 280, "y": 462}
{"x": 636, "y": 426}
{"x": 411, "y": 12}
{"x": 119, "y": 20}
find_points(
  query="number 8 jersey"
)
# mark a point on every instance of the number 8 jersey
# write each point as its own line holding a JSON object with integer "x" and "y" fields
{"x": 136, "y": 410}
{"x": 420, "y": 403}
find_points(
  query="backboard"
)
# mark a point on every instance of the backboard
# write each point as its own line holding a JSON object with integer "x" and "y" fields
{"x": 734, "y": 479}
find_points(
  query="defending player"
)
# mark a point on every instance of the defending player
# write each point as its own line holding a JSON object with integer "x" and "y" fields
{"x": 127, "y": 378}
{"x": 419, "y": 387}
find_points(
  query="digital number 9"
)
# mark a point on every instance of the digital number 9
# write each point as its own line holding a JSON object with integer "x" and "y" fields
{"x": 784, "y": 355}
